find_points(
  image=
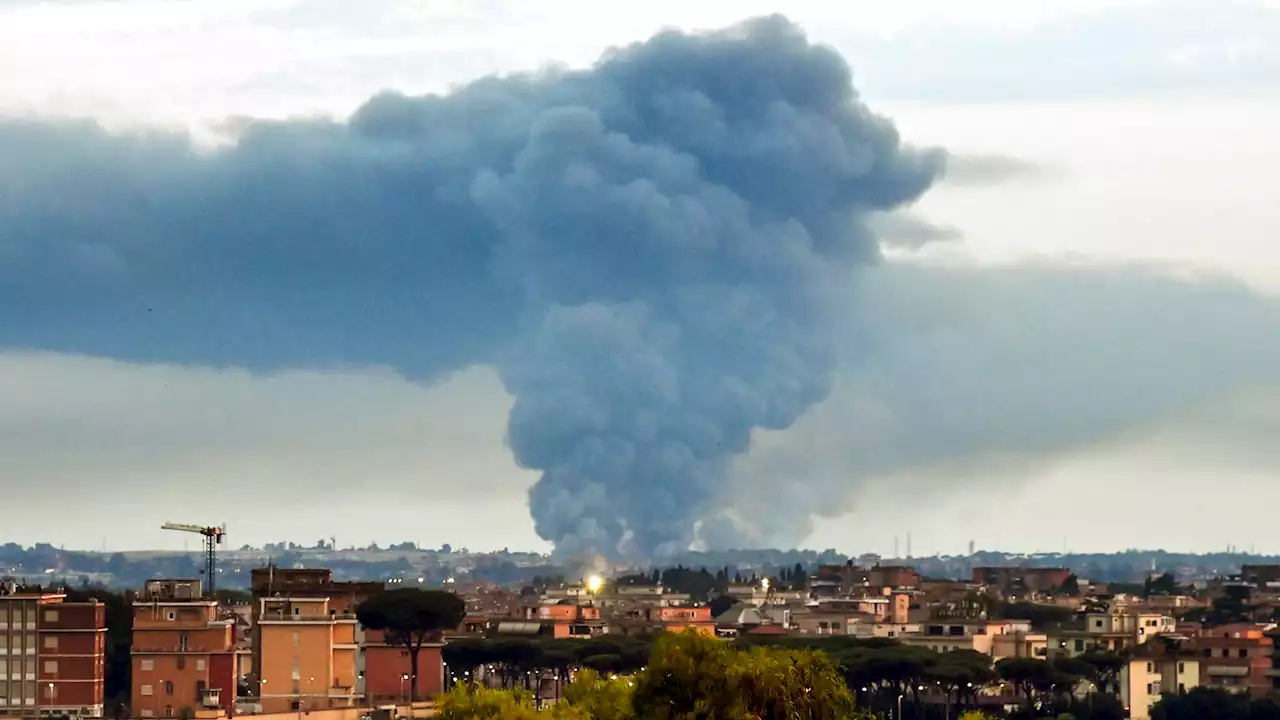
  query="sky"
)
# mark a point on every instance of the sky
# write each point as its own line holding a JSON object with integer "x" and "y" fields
{"x": 1091, "y": 316}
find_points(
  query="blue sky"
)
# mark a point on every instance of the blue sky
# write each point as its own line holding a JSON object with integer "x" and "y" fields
{"x": 1141, "y": 132}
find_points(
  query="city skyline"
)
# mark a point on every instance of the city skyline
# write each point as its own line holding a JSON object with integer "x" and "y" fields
{"x": 1080, "y": 376}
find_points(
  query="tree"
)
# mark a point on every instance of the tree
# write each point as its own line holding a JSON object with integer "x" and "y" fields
{"x": 598, "y": 698}
{"x": 692, "y": 676}
{"x": 409, "y": 617}
{"x": 1028, "y": 675}
{"x": 720, "y": 605}
{"x": 1070, "y": 586}
{"x": 1106, "y": 667}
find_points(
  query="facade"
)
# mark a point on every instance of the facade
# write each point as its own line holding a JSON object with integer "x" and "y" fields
{"x": 342, "y": 598}
{"x": 183, "y": 655}
{"x": 307, "y": 655}
{"x": 1237, "y": 658}
{"x": 52, "y": 655}
{"x": 387, "y": 671}
{"x": 1021, "y": 580}
{"x": 997, "y": 638}
{"x": 1146, "y": 677}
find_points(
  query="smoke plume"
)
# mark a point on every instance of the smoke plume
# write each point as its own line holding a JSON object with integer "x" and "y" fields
{"x": 646, "y": 250}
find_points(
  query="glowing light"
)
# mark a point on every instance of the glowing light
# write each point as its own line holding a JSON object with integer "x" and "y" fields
{"x": 764, "y": 583}
{"x": 594, "y": 583}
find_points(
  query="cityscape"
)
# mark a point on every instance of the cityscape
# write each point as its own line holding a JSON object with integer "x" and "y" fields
{"x": 277, "y": 635}
{"x": 716, "y": 360}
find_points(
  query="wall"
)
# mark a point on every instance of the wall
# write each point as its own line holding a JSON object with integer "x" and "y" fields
{"x": 384, "y": 666}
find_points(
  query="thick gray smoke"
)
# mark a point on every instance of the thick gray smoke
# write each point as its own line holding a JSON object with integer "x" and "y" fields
{"x": 646, "y": 250}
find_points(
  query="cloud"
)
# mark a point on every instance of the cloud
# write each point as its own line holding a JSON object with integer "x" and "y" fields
{"x": 954, "y": 375}
{"x": 286, "y": 455}
{"x": 988, "y": 170}
{"x": 642, "y": 249}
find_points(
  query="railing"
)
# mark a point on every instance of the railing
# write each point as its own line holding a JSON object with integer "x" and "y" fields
{"x": 281, "y": 616}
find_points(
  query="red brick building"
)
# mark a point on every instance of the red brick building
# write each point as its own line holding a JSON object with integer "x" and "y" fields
{"x": 183, "y": 654}
{"x": 52, "y": 655}
{"x": 386, "y": 671}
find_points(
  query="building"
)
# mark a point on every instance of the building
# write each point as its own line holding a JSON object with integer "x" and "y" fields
{"x": 997, "y": 638}
{"x": 1237, "y": 658}
{"x": 1149, "y": 674}
{"x": 183, "y": 654}
{"x": 52, "y": 655}
{"x": 387, "y": 670}
{"x": 1021, "y": 581}
{"x": 306, "y": 583}
{"x": 307, "y": 654}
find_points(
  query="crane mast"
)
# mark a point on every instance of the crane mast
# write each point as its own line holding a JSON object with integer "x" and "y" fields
{"x": 213, "y": 537}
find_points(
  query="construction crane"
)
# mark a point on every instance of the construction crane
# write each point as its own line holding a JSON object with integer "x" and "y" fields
{"x": 212, "y": 539}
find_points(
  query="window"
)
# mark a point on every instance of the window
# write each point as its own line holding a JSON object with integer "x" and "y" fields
{"x": 168, "y": 711}
{"x": 50, "y": 642}
{"x": 168, "y": 687}
{"x": 147, "y": 665}
{"x": 184, "y": 640}
{"x": 181, "y": 662}
{"x": 1181, "y": 668}
{"x": 1079, "y": 645}
{"x": 148, "y": 713}
{"x": 145, "y": 690}
{"x": 1244, "y": 652}
{"x": 50, "y": 667}
{"x": 51, "y": 616}
{"x": 200, "y": 664}
{"x": 1151, "y": 667}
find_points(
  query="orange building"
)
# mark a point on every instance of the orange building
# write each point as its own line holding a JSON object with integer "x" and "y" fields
{"x": 681, "y": 618}
{"x": 308, "y": 655}
{"x": 51, "y": 655}
{"x": 184, "y": 653}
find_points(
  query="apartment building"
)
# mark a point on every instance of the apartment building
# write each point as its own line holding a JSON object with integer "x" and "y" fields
{"x": 183, "y": 654}
{"x": 1237, "y": 658}
{"x": 342, "y": 598}
{"x": 1149, "y": 674}
{"x": 387, "y": 670}
{"x": 1020, "y": 581}
{"x": 308, "y": 654}
{"x": 51, "y": 655}
{"x": 997, "y": 638}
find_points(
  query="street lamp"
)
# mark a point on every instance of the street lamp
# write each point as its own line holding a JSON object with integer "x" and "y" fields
{"x": 403, "y": 678}
{"x": 899, "y": 715}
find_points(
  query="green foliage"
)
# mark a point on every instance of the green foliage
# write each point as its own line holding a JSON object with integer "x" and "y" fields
{"x": 475, "y": 703}
{"x": 1042, "y": 617}
{"x": 1214, "y": 704}
{"x": 975, "y": 715}
{"x": 600, "y": 698}
{"x": 693, "y": 677}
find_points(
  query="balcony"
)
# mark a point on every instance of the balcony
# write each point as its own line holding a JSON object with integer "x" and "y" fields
{"x": 287, "y": 617}
{"x": 1227, "y": 670}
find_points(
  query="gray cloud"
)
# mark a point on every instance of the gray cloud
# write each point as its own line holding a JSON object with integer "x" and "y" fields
{"x": 955, "y": 375}
{"x": 987, "y": 170}
{"x": 642, "y": 249}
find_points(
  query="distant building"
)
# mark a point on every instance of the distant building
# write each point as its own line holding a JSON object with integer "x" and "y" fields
{"x": 1237, "y": 658}
{"x": 1149, "y": 674}
{"x": 51, "y": 655}
{"x": 1021, "y": 580}
{"x": 996, "y": 638}
{"x": 183, "y": 653}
